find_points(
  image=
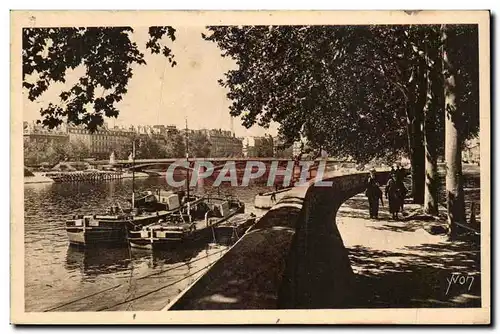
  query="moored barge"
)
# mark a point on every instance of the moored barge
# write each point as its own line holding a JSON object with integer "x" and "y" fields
{"x": 191, "y": 224}
{"x": 234, "y": 228}
{"x": 111, "y": 228}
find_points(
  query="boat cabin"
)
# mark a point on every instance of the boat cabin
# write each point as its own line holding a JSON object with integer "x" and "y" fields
{"x": 82, "y": 221}
{"x": 221, "y": 209}
{"x": 170, "y": 199}
{"x": 159, "y": 200}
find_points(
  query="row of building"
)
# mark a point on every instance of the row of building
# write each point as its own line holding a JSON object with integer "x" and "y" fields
{"x": 101, "y": 143}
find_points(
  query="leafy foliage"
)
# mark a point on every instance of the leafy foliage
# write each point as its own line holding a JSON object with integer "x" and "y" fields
{"x": 146, "y": 147}
{"x": 52, "y": 152}
{"x": 351, "y": 90}
{"x": 108, "y": 56}
{"x": 199, "y": 145}
{"x": 263, "y": 147}
{"x": 176, "y": 145}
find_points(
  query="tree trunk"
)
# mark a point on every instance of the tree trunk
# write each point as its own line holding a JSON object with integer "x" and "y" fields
{"x": 430, "y": 114}
{"x": 454, "y": 187}
{"x": 417, "y": 160}
{"x": 416, "y": 140}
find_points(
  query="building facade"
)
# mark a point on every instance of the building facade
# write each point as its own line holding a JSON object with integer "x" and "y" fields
{"x": 224, "y": 143}
{"x": 102, "y": 142}
{"x": 258, "y": 146}
{"x": 105, "y": 140}
{"x": 36, "y": 133}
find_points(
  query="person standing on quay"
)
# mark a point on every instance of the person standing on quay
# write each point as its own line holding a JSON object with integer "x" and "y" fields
{"x": 394, "y": 194}
{"x": 374, "y": 194}
{"x": 400, "y": 175}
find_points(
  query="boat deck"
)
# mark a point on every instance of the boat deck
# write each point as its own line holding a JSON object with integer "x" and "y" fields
{"x": 200, "y": 224}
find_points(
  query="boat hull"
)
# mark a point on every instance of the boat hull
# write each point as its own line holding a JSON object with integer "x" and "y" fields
{"x": 140, "y": 243}
{"x": 94, "y": 238}
{"x": 229, "y": 233}
{"x": 168, "y": 239}
{"x": 105, "y": 233}
{"x": 172, "y": 239}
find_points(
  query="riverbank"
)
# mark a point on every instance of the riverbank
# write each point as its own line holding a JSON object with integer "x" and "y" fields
{"x": 137, "y": 175}
{"x": 39, "y": 177}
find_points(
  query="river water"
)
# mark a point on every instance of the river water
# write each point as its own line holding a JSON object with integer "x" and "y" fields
{"x": 61, "y": 278}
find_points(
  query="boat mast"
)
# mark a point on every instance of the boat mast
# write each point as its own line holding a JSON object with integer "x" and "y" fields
{"x": 133, "y": 174}
{"x": 187, "y": 159}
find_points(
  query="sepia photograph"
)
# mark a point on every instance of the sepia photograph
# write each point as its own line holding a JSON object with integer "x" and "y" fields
{"x": 218, "y": 167}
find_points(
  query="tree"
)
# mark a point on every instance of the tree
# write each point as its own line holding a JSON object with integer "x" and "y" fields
{"x": 264, "y": 147}
{"x": 33, "y": 153}
{"x": 284, "y": 151}
{"x": 108, "y": 57}
{"x": 251, "y": 153}
{"x": 122, "y": 149}
{"x": 432, "y": 109}
{"x": 176, "y": 145}
{"x": 50, "y": 152}
{"x": 146, "y": 147}
{"x": 78, "y": 150}
{"x": 453, "y": 125}
{"x": 310, "y": 78}
{"x": 199, "y": 145}
{"x": 356, "y": 91}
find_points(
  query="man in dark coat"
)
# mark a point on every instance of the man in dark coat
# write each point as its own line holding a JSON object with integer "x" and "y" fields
{"x": 374, "y": 194}
{"x": 400, "y": 175}
{"x": 393, "y": 171}
{"x": 394, "y": 193}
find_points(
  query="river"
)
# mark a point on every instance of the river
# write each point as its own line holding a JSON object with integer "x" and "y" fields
{"x": 61, "y": 278}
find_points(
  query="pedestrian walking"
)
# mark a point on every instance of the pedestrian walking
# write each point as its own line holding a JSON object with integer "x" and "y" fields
{"x": 393, "y": 193}
{"x": 400, "y": 175}
{"x": 393, "y": 171}
{"x": 374, "y": 194}
{"x": 273, "y": 195}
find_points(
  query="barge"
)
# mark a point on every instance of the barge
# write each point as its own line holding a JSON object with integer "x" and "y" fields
{"x": 194, "y": 223}
{"x": 111, "y": 228}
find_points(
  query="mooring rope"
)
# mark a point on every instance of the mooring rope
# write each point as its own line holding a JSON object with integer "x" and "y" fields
{"x": 158, "y": 289}
{"x": 139, "y": 278}
{"x": 182, "y": 265}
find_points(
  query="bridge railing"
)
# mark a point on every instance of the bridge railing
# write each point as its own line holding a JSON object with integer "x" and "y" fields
{"x": 170, "y": 160}
{"x": 292, "y": 258}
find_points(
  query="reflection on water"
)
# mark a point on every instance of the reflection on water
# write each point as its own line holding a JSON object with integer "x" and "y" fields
{"x": 56, "y": 272}
{"x": 94, "y": 261}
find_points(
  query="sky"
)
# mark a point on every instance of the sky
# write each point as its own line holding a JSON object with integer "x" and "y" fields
{"x": 161, "y": 94}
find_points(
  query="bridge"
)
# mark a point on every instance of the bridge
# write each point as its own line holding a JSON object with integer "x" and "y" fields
{"x": 218, "y": 159}
{"x": 143, "y": 164}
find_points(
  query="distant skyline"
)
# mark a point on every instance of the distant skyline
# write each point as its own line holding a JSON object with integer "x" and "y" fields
{"x": 160, "y": 94}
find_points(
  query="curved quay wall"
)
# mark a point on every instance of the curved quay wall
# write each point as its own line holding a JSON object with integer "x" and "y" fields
{"x": 292, "y": 258}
